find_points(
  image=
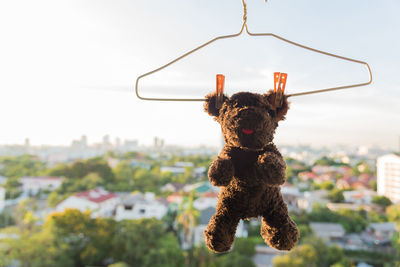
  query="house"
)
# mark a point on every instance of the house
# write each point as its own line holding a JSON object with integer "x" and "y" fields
{"x": 383, "y": 230}
{"x": 175, "y": 198}
{"x": 206, "y": 200}
{"x": 201, "y": 188}
{"x": 179, "y": 168}
{"x": 344, "y": 170}
{"x": 363, "y": 182}
{"x": 331, "y": 232}
{"x": 200, "y": 171}
{"x": 265, "y": 255}
{"x": 346, "y": 182}
{"x": 305, "y": 176}
{"x": 99, "y": 201}
{"x": 354, "y": 242}
{"x": 310, "y": 198}
{"x": 321, "y": 169}
{"x": 173, "y": 187}
{"x": 291, "y": 195}
{"x": 139, "y": 206}
{"x": 359, "y": 196}
{"x": 31, "y": 185}
{"x": 183, "y": 164}
{"x": 326, "y": 177}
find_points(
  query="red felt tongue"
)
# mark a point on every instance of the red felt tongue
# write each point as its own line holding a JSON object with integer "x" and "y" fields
{"x": 247, "y": 131}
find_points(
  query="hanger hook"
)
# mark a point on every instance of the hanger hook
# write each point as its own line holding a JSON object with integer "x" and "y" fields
{"x": 245, "y": 11}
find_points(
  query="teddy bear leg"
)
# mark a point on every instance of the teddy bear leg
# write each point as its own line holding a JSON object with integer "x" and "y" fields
{"x": 220, "y": 231}
{"x": 278, "y": 230}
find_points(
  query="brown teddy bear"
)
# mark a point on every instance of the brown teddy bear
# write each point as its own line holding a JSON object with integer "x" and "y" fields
{"x": 249, "y": 171}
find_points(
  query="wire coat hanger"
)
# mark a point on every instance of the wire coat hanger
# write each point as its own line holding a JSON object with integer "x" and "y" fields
{"x": 244, "y": 27}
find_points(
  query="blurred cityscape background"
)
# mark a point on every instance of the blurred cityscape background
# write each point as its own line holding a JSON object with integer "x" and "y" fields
{"x": 119, "y": 203}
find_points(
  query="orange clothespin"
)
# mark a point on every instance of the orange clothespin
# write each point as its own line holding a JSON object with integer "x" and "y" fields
{"x": 279, "y": 87}
{"x": 220, "y": 90}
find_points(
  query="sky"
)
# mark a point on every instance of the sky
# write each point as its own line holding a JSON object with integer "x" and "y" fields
{"x": 68, "y": 68}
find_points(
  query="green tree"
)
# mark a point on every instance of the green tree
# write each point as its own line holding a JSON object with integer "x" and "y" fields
{"x": 82, "y": 168}
{"x": 24, "y": 214}
{"x": 304, "y": 230}
{"x": 327, "y": 185}
{"x": 382, "y": 201}
{"x": 188, "y": 217}
{"x": 313, "y": 252}
{"x": 361, "y": 167}
{"x": 36, "y": 249}
{"x": 124, "y": 171}
{"x": 301, "y": 256}
{"x": 166, "y": 254}
{"x": 376, "y": 217}
{"x": 235, "y": 260}
{"x": 12, "y": 187}
{"x": 325, "y": 161}
{"x": 202, "y": 257}
{"x": 352, "y": 221}
{"x": 321, "y": 213}
{"x": 336, "y": 195}
{"x": 244, "y": 246}
{"x": 17, "y": 167}
{"x": 135, "y": 238}
{"x": 393, "y": 213}
{"x": 87, "y": 241}
{"x": 6, "y": 219}
{"x": 289, "y": 174}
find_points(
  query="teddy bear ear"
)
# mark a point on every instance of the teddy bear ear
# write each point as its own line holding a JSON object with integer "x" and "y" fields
{"x": 281, "y": 111}
{"x": 210, "y": 105}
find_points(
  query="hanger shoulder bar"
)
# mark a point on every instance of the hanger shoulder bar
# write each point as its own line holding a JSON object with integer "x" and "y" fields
{"x": 176, "y": 60}
{"x": 323, "y": 53}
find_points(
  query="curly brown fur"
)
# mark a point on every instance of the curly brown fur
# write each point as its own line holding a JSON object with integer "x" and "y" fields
{"x": 249, "y": 171}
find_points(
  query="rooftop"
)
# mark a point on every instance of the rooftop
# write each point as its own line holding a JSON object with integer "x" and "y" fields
{"x": 327, "y": 228}
{"x": 385, "y": 226}
{"x": 96, "y": 195}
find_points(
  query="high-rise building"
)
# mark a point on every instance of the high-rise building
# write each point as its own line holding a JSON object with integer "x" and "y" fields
{"x": 388, "y": 176}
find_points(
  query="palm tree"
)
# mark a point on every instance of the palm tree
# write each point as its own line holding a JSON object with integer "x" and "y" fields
{"x": 187, "y": 219}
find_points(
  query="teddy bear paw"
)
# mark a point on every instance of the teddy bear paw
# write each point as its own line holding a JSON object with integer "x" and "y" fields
{"x": 271, "y": 168}
{"x": 221, "y": 172}
{"x": 216, "y": 242}
{"x": 281, "y": 239}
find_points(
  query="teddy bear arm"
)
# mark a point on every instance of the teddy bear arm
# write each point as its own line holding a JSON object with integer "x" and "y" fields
{"x": 221, "y": 171}
{"x": 272, "y": 168}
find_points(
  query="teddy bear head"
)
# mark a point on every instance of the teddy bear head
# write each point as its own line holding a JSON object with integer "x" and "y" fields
{"x": 248, "y": 120}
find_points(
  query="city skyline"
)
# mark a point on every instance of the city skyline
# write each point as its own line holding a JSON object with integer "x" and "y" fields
{"x": 115, "y": 141}
{"x": 71, "y": 68}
